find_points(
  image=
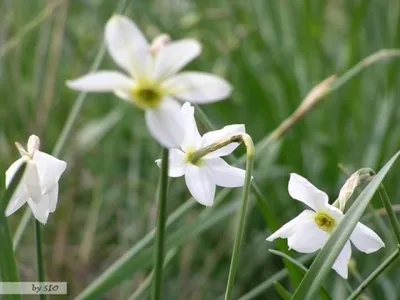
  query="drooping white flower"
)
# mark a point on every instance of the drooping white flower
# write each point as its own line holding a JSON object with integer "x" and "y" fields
{"x": 202, "y": 176}
{"x": 152, "y": 81}
{"x": 39, "y": 184}
{"x": 310, "y": 230}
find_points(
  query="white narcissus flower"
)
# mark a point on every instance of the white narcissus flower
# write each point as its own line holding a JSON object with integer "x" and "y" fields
{"x": 310, "y": 230}
{"x": 39, "y": 184}
{"x": 152, "y": 81}
{"x": 211, "y": 170}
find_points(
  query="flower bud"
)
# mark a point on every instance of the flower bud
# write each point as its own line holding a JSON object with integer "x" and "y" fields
{"x": 33, "y": 144}
{"x": 159, "y": 42}
{"x": 354, "y": 186}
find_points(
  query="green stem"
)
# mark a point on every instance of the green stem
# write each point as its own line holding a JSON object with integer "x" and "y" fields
{"x": 161, "y": 218}
{"x": 241, "y": 215}
{"x": 39, "y": 256}
{"x": 392, "y": 217}
{"x": 374, "y": 275}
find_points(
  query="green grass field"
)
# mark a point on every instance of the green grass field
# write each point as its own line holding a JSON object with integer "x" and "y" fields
{"x": 273, "y": 53}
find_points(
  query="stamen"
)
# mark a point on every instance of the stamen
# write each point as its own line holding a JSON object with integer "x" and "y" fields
{"x": 324, "y": 221}
{"x": 147, "y": 96}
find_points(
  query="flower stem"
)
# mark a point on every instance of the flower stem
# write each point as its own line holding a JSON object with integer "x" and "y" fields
{"x": 160, "y": 234}
{"x": 39, "y": 256}
{"x": 392, "y": 217}
{"x": 241, "y": 215}
{"x": 374, "y": 274}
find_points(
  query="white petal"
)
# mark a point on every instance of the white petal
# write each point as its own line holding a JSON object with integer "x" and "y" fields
{"x": 223, "y": 174}
{"x": 192, "y": 136}
{"x": 290, "y": 227}
{"x": 10, "y": 173}
{"x": 174, "y": 56}
{"x": 342, "y": 261}
{"x": 40, "y": 210}
{"x": 219, "y": 135}
{"x": 308, "y": 238}
{"x": 53, "y": 198}
{"x": 18, "y": 199}
{"x": 20, "y": 195}
{"x": 200, "y": 185}
{"x": 365, "y": 239}
{"x": 127, "y": 46}
{"x": 177, "y": 164}
{"x": 33, "y": 143}
{"x": 50, "y": 170}
{"x": 32, "y": 181}
{"x": 165, "y": 123}
{"x": 198, "y": 87}
{"x": 101, "y": 81}
{"x": 301, "y": 189}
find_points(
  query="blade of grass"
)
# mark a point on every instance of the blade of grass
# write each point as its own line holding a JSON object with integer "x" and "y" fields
{"x": 280, "y": 289}
{"x": 326, "y": 257}
{"x": 302, "y": 269}
{"x": 258, "y": 290}
{"x": 374, "y": 274}
{"x": 8, "y": 269}
{"x": 142, "y": 289}
{"x": 160, "y": 235}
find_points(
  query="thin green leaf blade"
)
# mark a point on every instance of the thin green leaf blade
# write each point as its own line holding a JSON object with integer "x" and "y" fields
{"x": 284, "y": 293}
{"x": 8, "y": 266}
{"x": 326, "y": 257}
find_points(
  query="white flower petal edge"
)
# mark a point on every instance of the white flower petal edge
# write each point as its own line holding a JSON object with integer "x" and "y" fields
{"x": 218, "y": 135}
{"x": 302, "y": 190}
{"x": 310, "y": 230}
{"x": 127, "y": 46}
{"x": 177, "y": 164}
{"x": 289, "y": 228}
{"x": 174, "y": 56}
{"x": 101, "y": 81}
{"x": 202, "y": 176}
{"x": 198, "y": 87}
{"x": 365, "y": 239}
{"x": 165, "y": 123}
{"x": 223, "y": 174}
{"x": 342, "y": 261}
{"x": 200, "y": 185}
{"x": 39, "y": 184}
{"x": 192, "y": 137}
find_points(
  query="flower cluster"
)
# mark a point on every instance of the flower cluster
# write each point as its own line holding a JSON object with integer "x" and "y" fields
{"x": 151, "y": 80}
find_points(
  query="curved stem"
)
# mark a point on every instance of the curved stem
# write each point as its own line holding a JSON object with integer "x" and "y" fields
{"x": 160, "y": 235}
{"x": 241, "y": 215}
{"x": 39, "y": 256}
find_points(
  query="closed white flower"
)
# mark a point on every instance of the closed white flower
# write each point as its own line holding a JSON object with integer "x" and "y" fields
{"x": 39, "y": 184}
{"x": 310, "y": 230}
{"x": 202, "y": 176}
{"x": 151, "y": 80}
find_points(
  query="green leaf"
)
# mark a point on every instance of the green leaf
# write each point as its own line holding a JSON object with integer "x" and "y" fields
{"x": 301, "y": 269}
{"x": 284, "y": 293}
{"x": 8, "y": 266}
{"x": 131, "y": 261}
{"x": 326, "y": 257}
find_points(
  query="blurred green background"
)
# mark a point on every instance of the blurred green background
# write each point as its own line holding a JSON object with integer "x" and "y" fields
{"x": 273, "y": 53}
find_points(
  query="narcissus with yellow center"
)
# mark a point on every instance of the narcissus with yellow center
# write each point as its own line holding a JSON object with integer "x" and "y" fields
{"x": 310, "y": 230}
{"x": 151, "y": 80}
{"x": 203, "y": 174}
